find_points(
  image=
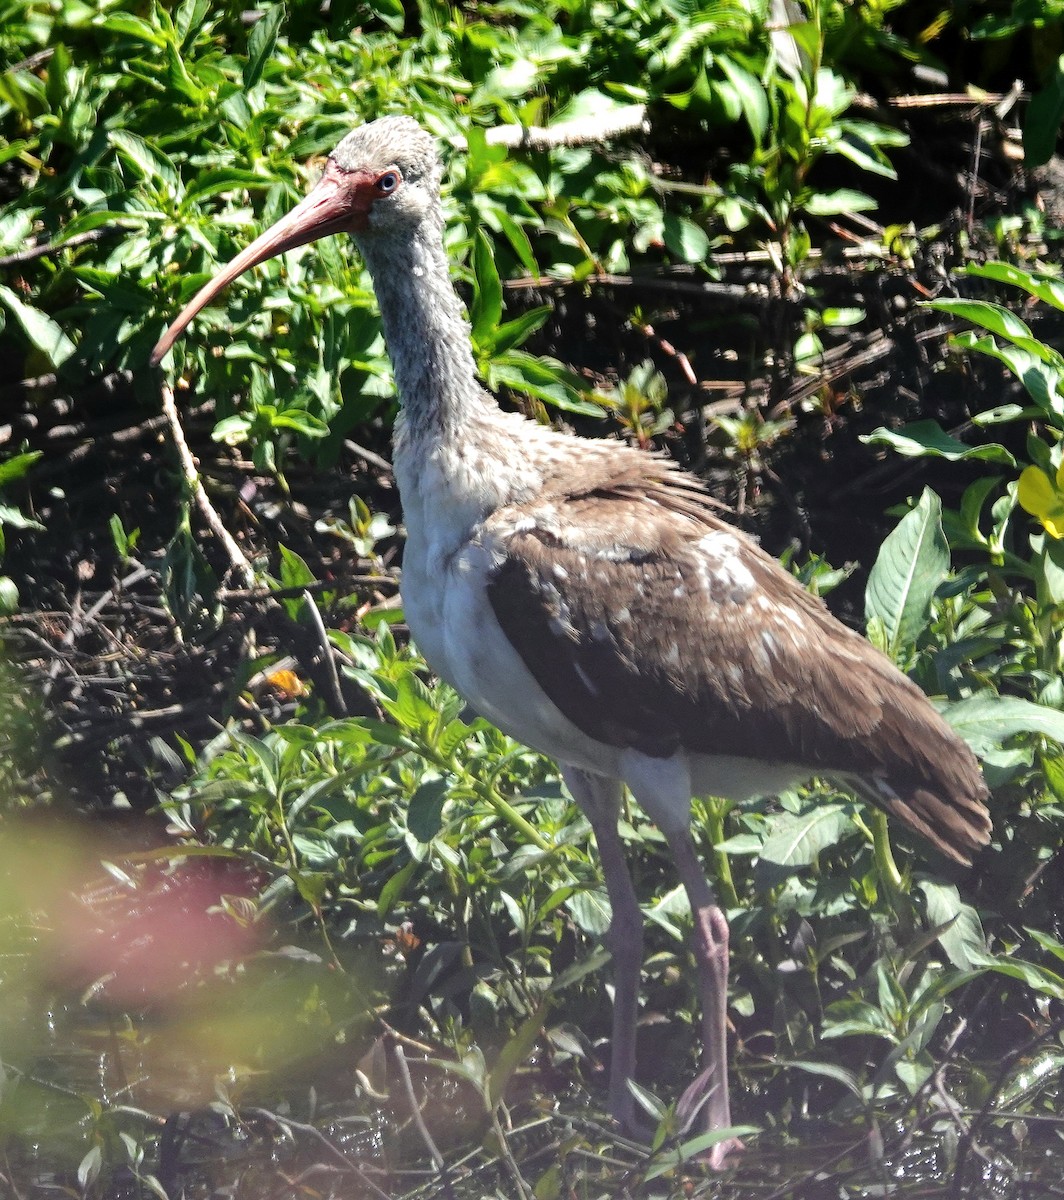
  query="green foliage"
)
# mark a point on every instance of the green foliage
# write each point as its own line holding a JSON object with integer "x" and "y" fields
{"x": 12, "y": 469}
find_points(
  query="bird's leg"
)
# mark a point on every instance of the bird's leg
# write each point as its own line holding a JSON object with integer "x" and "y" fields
{"x": 600, "y": 800}
{"x": 711, "y": 955}
{"x": 663, "y": 788}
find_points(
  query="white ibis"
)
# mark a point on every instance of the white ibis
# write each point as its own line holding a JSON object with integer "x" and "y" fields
{"x": 585, "y": 598}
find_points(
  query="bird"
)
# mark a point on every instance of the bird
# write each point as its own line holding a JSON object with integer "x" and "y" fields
{"x": 585, "y": 596}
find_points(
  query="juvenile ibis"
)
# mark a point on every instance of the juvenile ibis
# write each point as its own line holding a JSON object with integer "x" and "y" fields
{"x": 584, "y": 596}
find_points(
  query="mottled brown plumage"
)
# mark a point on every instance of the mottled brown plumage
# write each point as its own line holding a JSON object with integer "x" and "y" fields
{"x": 643, "y": 649}
{"x": 585, "y": 597}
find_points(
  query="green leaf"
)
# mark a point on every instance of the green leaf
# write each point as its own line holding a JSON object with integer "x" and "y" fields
{"x": 43, "y": 333}
{"x": 993, "y": 317}
{"x": 261, "y": 43}
{"x": 830, "y": 1071}
{"x": 134, "y": 27}
{"x": 927, "y": 439}
{"x": 391, "y": 12}
{"x": 515, "y": 1052}
{"x": 961, "y": 935}
{"x": 412, "y": 705}
{"x": 487, "y": 293}
{"x": 424, "y": 815}
{"x": 1045, "y": 112}
{"x": 225, "y": 179}
{"x": 751, "y": 93}
{"x": 912, "y": 562}
{"x": 685, "y": 239}
{"x": 17, "y": 465}
{"x": 148, "y": 162}
{"x": 796, "y": 841}
{"x": 294, "y": 571}
{"x": 513, "y": 333}
{"x": 985, "y": 721}
{"x": 393, "y": 889}
{"x": 1047, "y": 288}
{"x": 544, "y": 378}
{"x": 843, "y": 200}
{"x": 301, "y": 421}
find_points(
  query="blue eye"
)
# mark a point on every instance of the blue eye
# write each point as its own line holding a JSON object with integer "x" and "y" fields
{"x": 388, "y": 182}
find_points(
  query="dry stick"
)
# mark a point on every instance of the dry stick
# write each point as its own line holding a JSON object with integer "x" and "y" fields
{"x": 44, "y": 248}
{"x": 327, "y": 654}
{"x": 312, "y": 1131}
{"x": 188, "y": 468}
{"x": 419, "y": 1121}
{"x": 629, "y": 119}
{"x": 367, "y": 455}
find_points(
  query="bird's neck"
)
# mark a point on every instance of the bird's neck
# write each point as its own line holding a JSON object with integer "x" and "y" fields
{"x": 426, "y": 331}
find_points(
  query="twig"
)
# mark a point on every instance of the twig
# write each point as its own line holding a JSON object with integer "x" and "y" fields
{"x": 192, "y": 478}
{"x": 45, "y": 248}
{"x": 953, "y": 100}
{"x": 327, "y": 652}
{"x": 419, "y": 1120}
{"x": 370, "y": 456}
{"x": 240, "y": 595}
{"x": 312, "y": 1131}
{"x": 630, "y": 119}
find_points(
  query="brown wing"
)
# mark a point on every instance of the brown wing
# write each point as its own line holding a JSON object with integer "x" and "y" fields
{"x": 652, "y": 624}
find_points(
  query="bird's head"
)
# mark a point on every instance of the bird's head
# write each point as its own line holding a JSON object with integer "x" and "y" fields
{"x": 382, "y": 178}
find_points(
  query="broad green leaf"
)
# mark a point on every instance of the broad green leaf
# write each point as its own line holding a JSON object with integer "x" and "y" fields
{"x": 412, "y": 705}
{"x": 590, "y": 909}
{"x": 301, "y": 421}
{"x": 962, "y": 937}
{"x": 513, "y": 333}
{"x": 294, "y": 571}
{"x": 985, "y": 721}
{"x": 424, "y": 814}
{"x": 676, "y": 1157}
{"x": 544, "y": 378}
{"x": 993, "y": 317}
{"x": 751, "y": 93}
{"x": 17, "y": 465}
{"x": 148, "y": 162}
{"x": 1033, "y": 363}
{"x": 830, "y": 1071}
{"x": 43, "y": 333}
{"x": 912, "y": 562}
{"x": 391, "y": 12}
{"x": 134, "y": 27}
{"x": 1047, "y": 288}
{"x": 393, "y": 889}
{"x": 796, "y": 841}
{"x": 685, "y": 239}
{"x": 843, "y": 200}
{"x": 927, "y": 439}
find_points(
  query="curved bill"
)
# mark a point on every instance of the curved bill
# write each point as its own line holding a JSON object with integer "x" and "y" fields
{"x": 338, "y": 202}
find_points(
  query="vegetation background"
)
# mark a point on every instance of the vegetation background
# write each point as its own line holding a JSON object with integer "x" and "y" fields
{"x": 277, "y": 916}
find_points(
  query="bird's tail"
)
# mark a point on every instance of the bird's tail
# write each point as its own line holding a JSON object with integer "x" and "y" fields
{"x": 949, "y": 811}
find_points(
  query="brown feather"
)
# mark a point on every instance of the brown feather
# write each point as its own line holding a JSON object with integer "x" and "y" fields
{"x": 644, "y": 640}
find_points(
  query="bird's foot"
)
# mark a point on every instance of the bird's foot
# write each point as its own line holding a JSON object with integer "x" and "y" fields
{"x": 724, "y": 1154}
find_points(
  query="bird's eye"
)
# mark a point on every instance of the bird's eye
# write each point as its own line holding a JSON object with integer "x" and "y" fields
{"x": 388, "y": 182}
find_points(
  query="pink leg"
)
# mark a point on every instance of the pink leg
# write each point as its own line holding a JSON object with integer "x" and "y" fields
{"x": 600, "y": 800}
{"x": 663, "y": 789}
{"x": 711, "y": 955}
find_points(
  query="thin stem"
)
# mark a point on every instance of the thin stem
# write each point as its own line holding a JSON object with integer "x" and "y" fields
{"x": 717, "y": 811}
